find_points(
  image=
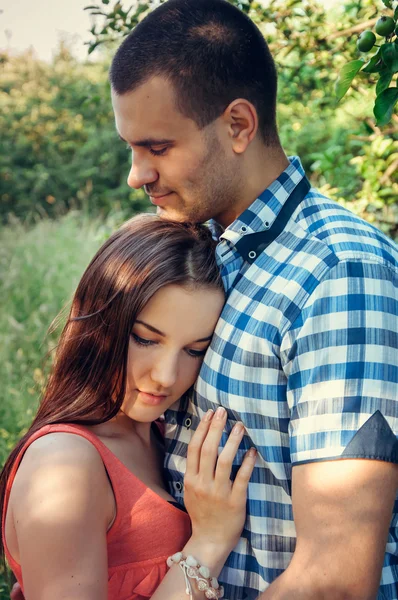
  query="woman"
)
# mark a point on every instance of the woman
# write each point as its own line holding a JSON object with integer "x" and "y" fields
{"x": 86, "y": 514}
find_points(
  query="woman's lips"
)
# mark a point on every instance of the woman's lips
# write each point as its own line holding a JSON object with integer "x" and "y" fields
{"x": 151, "y": 399}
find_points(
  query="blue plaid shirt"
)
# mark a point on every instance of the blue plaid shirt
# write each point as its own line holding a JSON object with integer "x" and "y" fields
{"x": 305, "y": 354}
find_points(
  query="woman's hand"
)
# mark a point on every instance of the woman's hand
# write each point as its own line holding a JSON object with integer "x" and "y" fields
{"x": 216, "y": 505}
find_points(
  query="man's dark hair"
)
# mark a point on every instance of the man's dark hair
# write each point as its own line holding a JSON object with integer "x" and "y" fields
{"x": 210, "y": 51}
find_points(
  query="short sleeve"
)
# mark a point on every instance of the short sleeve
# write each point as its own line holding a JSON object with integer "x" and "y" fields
{"x": 340, "y": 358}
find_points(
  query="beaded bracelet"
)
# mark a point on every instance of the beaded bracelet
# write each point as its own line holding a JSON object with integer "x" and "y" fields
{"x": 193, "y": 570}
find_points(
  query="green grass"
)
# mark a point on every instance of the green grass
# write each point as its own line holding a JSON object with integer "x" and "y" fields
{"x": 39, "y": 270}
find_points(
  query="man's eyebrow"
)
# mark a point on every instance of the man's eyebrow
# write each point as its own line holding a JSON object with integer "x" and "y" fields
{"x": 205, "y": 339}
{"x": 147, "y": 143}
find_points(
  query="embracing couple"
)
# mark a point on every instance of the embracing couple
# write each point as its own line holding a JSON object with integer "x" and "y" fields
{"x": 222, "y": 413}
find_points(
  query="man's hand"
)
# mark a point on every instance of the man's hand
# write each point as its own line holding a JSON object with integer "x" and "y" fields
{"x": 16, "y": 592}
{"x": 342, "y": 512}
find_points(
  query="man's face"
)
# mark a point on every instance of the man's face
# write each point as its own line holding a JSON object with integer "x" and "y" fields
{"x": 188, "y": 173}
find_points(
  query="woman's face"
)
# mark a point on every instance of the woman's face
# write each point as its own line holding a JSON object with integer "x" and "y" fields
{"x": 167, "y": 346}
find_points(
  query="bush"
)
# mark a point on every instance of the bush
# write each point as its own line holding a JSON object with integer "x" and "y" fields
{"x": 39, "y": 269}
{"x": 59, "y": 147}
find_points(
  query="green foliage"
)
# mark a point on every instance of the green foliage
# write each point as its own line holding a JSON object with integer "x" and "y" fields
{"x": 347, "y": 74}
{"x": 384, "y": 62}
{"x": 59, "y": 148}
{"x": 39, "y": 269}
{"x": 384, "y": 105}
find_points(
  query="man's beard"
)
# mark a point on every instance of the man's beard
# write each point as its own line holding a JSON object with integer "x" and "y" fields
{"x": 217, "y": 191}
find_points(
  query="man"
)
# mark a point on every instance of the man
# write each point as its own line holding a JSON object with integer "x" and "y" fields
{"x": 305, "y": 352}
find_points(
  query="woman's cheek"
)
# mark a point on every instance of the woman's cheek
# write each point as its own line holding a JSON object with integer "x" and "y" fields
{"x": 192, "y": 371}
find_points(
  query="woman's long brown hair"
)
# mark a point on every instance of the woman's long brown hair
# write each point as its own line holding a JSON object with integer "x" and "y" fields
{"x": 88, "y": 379}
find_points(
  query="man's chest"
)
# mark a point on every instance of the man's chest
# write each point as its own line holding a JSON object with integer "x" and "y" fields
{"x": 244, "y": 366}
{"x": 243, "y": 372}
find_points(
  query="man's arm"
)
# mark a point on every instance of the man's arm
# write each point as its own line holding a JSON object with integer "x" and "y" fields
{"x": 341, "y": 359}
{"x": 342, "y": 511}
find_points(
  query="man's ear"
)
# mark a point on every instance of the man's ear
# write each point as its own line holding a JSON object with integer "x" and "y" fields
{"x": 242, "y": 121}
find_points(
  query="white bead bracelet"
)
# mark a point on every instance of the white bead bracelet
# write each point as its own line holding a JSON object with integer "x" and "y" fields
{"x": 193, "y": 570}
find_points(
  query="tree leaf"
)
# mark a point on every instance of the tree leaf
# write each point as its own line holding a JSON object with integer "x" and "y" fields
{"x": 375, "y": 64}
{"x": 384, "y": 105}
{"x": 346, "y": 76}
{"x": 387, "y": 3}
{"x": 92, "y": 47}
{"x": 389, "y": 53}
{"x": 384, "y": 81}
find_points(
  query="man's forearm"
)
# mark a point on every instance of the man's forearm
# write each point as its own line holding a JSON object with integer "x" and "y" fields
{"x": 305, "y": 586}
{"x": 284, "y": 588}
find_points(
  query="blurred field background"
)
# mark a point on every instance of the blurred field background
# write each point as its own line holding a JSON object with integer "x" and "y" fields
{"x": 63, "y": 170}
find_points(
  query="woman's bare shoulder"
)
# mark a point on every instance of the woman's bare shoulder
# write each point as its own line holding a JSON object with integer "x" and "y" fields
{"x": 59, "y": 469}
{"x": 57, "y": 449}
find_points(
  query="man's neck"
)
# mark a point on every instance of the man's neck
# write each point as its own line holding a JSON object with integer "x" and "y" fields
{"x": 264, "y": 168}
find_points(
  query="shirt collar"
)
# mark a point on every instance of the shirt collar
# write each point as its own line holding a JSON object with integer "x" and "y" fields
{"x": 263, "y": 212}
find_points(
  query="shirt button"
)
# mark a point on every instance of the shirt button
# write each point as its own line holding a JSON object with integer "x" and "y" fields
{"x": 243, "y": 229}
{"x": 266, "y": 225}
{"x": 188, "y": 423}
{"x": 178, "y": 486}
{"x": 252, "y": 254}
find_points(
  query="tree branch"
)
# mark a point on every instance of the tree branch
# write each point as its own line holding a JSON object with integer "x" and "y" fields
{"x": 391, "y": 169}
{"x": 354, "y": 29}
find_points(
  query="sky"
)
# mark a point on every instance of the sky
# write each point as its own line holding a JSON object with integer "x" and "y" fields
{"x": 40, "y": 24}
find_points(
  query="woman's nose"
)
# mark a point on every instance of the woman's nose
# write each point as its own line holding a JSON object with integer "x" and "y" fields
{"x": 165, "y": 371}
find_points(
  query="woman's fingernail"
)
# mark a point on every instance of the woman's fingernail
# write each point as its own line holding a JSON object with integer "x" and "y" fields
{"x": 252, "y": 452}
{"x": 220, "y": 412}
{"x": 238, "y": 429}
{"x": 208, "y": 415}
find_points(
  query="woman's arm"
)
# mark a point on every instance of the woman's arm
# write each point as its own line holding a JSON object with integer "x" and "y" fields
{"x": 61, "y": 506}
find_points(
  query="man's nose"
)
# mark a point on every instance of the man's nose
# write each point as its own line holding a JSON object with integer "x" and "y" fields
{"x": 141, "y": 173}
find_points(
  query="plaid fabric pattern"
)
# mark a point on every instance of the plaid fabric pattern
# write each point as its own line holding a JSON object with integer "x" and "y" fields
{"x": 305, "y": 352}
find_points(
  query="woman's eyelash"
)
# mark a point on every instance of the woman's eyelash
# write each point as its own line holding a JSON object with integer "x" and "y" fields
{"x": 196, "y": 353}
{"x": 141, "y": 341}
{"x": 146, "y": 343}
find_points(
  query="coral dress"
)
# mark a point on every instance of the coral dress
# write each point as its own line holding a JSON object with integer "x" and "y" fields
{"x": 147, "y": 529}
